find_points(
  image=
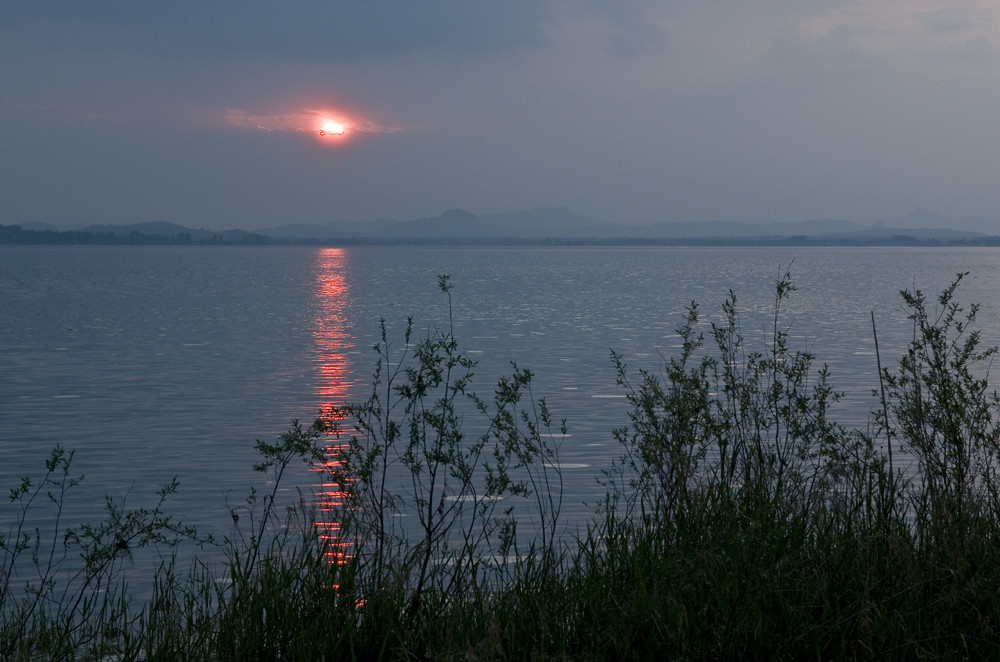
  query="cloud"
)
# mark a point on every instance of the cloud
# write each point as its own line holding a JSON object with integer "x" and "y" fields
{"x": 909, "y": 27}
{"x": 308, "y": 121}
{"x": 956, "y": 19}
{"x": 636, "y": 110}
{"x": 305, "y": 29}
{"x": 627, "y": 29}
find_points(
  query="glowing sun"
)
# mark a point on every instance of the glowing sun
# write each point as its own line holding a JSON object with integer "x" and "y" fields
{"x": 329, "y": 126}
{"x": 332, "y": 128}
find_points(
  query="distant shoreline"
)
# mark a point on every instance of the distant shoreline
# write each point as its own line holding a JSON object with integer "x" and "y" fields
{"x": 16, "y": 235}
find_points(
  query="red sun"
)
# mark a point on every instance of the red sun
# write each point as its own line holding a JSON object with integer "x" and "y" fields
{"x": 332, "y": 127}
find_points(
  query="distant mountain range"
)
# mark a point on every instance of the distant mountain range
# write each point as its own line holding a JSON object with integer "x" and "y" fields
{"x": 559, "y": 224}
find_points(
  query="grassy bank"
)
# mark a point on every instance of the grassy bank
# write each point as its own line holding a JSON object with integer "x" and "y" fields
{"x": 739, "y": 521}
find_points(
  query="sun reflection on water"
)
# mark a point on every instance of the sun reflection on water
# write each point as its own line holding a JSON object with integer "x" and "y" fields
{"x": 333, "y": 341}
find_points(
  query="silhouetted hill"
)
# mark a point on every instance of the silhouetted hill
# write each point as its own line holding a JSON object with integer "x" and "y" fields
{"x": 454, "y": 223}
{"x": 545, "y": 222}
{"x": 560, "y": 223}
{"x": 734, "y": 229}
{"x": 539, "y": 225}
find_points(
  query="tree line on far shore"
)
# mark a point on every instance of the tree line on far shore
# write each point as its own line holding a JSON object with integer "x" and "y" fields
{"x": 17, "y": 235}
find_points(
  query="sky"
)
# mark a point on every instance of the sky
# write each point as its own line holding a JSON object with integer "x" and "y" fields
{"x": 211, "y": 113}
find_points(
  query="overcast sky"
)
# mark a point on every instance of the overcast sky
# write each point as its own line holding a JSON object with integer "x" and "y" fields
{"x": 208, "y": 113}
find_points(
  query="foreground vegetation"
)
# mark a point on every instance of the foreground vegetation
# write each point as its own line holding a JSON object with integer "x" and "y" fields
{"x": 740, "y": 521}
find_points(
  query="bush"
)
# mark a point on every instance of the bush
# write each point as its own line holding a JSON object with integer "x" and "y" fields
{"x": 740, "y": 521}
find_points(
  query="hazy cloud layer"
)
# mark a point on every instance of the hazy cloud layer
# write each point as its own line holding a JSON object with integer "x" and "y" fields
{"x": 209, "y": 113}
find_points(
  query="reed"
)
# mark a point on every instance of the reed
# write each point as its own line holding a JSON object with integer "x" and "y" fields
{"x": 740, "y": 520}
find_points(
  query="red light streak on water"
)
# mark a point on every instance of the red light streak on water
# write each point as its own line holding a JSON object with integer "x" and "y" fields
{"x": 330, "y": 330}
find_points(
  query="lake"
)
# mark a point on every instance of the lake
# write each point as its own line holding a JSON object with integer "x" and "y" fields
{"x": 153, "y": 362}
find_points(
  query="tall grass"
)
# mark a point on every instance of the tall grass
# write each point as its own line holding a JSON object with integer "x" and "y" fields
{"x": 740, "y": 520}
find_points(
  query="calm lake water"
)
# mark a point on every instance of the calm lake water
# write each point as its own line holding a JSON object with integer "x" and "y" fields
{"x": 153, "y": 362}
